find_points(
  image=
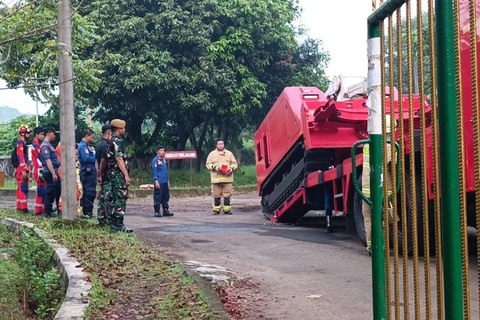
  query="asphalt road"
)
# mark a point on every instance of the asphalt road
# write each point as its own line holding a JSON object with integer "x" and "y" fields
{"x": 302, "y": 271}
{"x": 281, "y": 271}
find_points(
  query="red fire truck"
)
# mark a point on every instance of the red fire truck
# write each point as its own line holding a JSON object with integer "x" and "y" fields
{"x": 304, "y": 144}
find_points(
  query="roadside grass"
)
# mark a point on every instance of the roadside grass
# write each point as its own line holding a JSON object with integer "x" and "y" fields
{"x": 179, "y": 179}
{"x": 32, "y": 286}
{"x": 129, "y": 279}
{"x": 186, "y": 178}
{"x": 11, "y": 279}
{"x": 10, "y": 184}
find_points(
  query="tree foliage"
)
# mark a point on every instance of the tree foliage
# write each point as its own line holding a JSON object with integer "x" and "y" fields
{"x": 29, "y": 51}
{"x": 181, "y": 73}
{"x": 189, "y": 71}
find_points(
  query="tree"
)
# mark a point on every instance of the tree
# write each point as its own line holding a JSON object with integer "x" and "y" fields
{"x": 415, "y": 58}
{"x": 29, "y": 54}
{"x": 9, "y": 133}
{"x": 193, "y": 70}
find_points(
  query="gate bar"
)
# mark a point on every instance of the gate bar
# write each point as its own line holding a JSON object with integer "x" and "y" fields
{"x": 450, "y": 205}
{"x": 376, "y": 188}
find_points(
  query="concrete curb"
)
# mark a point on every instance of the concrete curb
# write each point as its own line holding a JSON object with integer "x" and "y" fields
{"x": 181, "y": 193}
{"x": 75, "y": 301}
{"x": 210, "y": 294}
{"x": 176, "y": 193}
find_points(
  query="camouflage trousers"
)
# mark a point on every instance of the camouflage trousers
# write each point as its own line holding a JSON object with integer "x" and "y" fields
{"x": 112, "y": 200}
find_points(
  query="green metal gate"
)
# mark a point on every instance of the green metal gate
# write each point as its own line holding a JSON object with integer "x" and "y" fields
{"x": 423, "y": 193}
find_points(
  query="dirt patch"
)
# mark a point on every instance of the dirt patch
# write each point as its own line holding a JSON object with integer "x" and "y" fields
{"x": 243, "y": 299}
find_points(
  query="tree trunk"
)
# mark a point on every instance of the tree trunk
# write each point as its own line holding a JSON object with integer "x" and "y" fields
{"x": 198, "y": 145}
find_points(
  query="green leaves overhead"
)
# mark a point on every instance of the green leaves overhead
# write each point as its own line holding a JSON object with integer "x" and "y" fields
{"x": 29, "y": 50}
{"x": 174, "y": 70}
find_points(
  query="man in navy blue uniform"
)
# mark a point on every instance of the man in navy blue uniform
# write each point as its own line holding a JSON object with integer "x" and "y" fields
{"x": 102, "y": 146}
{"x": 88, "y": 172}
{"x": 50, "y": 163}
{"x": 161, "y": 192}
{"x": 101, "y": 152}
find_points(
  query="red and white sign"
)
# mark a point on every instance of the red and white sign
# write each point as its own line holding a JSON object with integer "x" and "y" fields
{"x": 174, "y": 155}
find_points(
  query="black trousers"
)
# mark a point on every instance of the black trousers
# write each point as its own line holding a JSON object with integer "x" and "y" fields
{"x": 54, "y": 191}
{"x": 89, "y": 185}
{"x": 161, "y": 196}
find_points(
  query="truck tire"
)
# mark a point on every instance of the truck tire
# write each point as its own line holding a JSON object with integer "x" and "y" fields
{"x": 358, "y": 215}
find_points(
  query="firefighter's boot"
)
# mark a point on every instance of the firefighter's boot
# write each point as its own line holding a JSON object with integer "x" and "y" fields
{"x": 166, "y": 212}
{"x": 227, "y": 208}
{"x": 157, "y": 211}
{"x": 216, "y": 205}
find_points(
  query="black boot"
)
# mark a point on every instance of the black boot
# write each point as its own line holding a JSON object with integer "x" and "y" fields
{"x": 118, "y": 226}
{"x": 157, "y": 211}
{"x": 217, "y": 205}
{"x": 87, "y": 215}
{"x": 227, "y": 208}
{"x": 166, "y": 212}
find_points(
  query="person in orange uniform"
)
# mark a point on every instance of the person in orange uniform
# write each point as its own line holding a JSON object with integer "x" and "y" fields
{"x": 38, "y": 136}
{"x": 22, "y": 171}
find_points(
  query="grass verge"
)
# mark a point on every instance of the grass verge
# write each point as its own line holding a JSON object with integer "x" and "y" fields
{"x": 129, "y": 279}
{"x": 179, "y": 179}
{"x": 31, "y": 284}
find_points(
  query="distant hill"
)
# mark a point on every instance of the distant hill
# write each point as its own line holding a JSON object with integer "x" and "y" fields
{"x": 7, "y": 114}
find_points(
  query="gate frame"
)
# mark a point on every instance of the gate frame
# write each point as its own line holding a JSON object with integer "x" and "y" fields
{"x": 447, "y": 103}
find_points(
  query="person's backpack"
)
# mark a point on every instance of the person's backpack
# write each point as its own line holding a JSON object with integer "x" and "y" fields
{"x": 14, "y": 157}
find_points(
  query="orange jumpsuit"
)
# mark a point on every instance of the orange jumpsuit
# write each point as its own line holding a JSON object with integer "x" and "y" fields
{"x": 21, "y": 174}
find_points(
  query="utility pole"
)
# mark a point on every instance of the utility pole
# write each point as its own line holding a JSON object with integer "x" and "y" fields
{"x": 67, "y": 119}
{"x": 36, "y": 104}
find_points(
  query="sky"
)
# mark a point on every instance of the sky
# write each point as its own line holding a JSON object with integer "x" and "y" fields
{"x": 340, "y": 24}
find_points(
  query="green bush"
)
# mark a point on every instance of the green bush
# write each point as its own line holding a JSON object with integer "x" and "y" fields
{"x": 185, "y": 178}
{"x": 44, "y": 285}
{"x": 12, "y": 290}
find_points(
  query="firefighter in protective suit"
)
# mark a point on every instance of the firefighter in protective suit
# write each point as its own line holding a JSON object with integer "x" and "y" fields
{"x": 222, "y": 164}
{"x": 38, "y": 171}
{"x": 366, "y": 209}
{"x": 22, "y": 171}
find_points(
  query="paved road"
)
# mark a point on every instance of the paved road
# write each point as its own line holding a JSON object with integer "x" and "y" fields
{"x": 289, "y": 272}
{"x": 289, "y": 263}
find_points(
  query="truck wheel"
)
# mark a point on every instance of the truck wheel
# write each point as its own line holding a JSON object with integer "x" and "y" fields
{"x": 358, "y": 215}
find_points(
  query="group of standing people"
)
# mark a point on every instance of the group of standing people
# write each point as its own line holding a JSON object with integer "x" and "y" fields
{"x": 104, "y": 165}
{"x": 45, "y": 170}
{"x": 220, "y": 162}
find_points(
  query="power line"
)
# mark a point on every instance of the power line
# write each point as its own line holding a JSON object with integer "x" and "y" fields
{"x": 44, "y": 85}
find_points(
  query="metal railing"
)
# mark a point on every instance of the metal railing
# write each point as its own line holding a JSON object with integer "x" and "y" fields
{"x": 421, "y": 262}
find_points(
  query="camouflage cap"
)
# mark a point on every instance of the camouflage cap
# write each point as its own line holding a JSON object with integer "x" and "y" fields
{"x": 118, "y": 123}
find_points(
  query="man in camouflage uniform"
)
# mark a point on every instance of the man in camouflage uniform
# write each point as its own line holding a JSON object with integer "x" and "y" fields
{"x": 116, "y": 179}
